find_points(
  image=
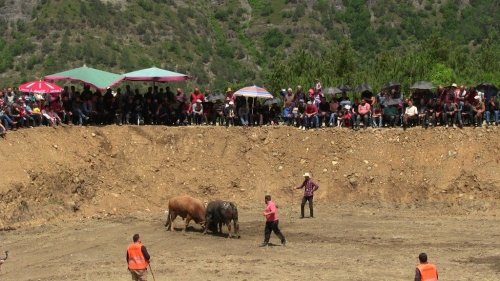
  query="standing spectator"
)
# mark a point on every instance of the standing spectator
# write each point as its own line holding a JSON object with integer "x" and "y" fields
{"x": 425, "y": 271}
{"x": 299, "y": 95}
{"x": 411, "y": 114}
{"x": 274, "y": 114}
{"x": 300, "y": 115}
{"x": 317, "y": 86}
{"x": 230, "y": 95}
{"x": 197, "y": 95}
{"x": 138, "y": 259}
{"x": 218, "y": 113}
{"x": 272, "y": 222}
{"x": 243, "y": 115}
{"x": 230, "y": 113}
{"x": 364, "y": 110}
{"x": 309, "y": 188}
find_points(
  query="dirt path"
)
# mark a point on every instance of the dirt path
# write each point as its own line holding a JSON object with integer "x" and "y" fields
{"x": 342, "y": 243}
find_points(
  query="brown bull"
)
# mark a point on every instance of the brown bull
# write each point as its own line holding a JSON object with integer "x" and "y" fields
{"x": 186, "y": 207}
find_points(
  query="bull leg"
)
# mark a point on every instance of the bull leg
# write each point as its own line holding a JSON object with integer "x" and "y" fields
{"x": 188, "y": 219}
{"x": 236, "y": 228}
{"x": 219, "y": 228}
{"x": 207, "y": 224}
{"x": 229, "y": 229}
{"x": 170, "y": 221}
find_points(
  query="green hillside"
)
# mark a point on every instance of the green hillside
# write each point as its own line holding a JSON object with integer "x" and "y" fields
{"x": 276, "y": 43}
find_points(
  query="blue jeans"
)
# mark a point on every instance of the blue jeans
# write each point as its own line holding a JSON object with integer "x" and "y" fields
{"x": 365, "y": 117}
{"x": 377, "y": 121}
{"x": 311, "y": 121}
{"x": 7, "y": 121}
{"x": 244, "y": 119}
{"x": 333, "y": 119}
{"x": 496, "y": 114}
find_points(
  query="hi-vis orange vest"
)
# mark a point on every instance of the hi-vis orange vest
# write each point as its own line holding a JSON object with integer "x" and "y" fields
{"x": 136, "y": 259}
{"x": 428, "y": 272}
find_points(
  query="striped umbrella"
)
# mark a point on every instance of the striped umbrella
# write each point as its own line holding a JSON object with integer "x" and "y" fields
{"x": 40, "y": 87}
{"x": 253, "y": 92}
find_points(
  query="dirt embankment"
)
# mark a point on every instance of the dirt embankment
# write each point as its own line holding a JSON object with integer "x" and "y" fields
{"x": 79, "y": 172}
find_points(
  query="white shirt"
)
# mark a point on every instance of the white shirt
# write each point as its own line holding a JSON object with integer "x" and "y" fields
{"x": 412, "y": 110}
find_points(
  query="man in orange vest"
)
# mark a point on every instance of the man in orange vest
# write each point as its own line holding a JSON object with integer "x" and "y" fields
{"x": 138, "y": 259}
{"x": 425, "y": 271}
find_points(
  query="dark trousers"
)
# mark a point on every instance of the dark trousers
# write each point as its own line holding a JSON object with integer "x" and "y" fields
{"x": 304, "y": 199}
{"x": 272, "y": 226}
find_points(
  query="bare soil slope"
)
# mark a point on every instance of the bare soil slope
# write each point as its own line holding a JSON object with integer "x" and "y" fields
{"x": 78, "y": 172}
{"x": 72, "y": 197}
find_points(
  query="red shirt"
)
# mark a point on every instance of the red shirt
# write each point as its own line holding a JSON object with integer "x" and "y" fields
{"x": 311, "y": 108}
{"x": 364, "y": 109}
{"x": 197, "y": 96}
{"x": 272, "y": 211}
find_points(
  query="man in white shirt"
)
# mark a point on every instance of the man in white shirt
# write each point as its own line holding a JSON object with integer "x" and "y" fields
{"x": 411, "y": 113}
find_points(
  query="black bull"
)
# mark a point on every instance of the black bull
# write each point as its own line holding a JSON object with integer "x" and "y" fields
{"x": 222, "y": 212}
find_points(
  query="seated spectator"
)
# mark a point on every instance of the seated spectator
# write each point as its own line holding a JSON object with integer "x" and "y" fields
{"x": 347, "y": 114}
{"x": 311, "y": 116}
{"x": 35, "y": 113}
{"x": 390, "y": 115}
{"x": 450, "y": 111}
{"x": 334, "y": 108}
{"x": 3, "y": 131}
{"x": 364, "y": 110}
{"x": 411, "y": 114}
{"x": 300, "y": 115}
{"x": 198, "y": 112}
{"x": 467, "y": 113}
{"x": 323, "y": 112}
{"x": 287, "y": 114}
{"x": 377, "y": 119}
{"x": 478, "y": 109}
{"x": 6, "y": 120}
{"x": 423, "y": 113}
{"x": 492, "y": 109}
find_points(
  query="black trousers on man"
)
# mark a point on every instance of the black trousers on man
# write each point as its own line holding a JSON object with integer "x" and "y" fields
{"x": 272, "y": 226}
{"x": 304, "y": 200}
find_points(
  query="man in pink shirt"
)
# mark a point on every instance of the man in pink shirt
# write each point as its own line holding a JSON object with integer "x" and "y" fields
{"x": 364, "y": 110}
{"x": 272, "y": 221}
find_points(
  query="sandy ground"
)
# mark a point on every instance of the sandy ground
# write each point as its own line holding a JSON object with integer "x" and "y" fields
{"x": 341, "y": 243}
{"x": 75, "y": 196}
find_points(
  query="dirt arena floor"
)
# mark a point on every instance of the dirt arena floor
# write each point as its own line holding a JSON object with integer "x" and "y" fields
{"x": 72, "y": 198}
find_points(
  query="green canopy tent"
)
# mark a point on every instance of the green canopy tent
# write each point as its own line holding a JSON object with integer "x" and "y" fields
{"x": 97, "y": 78}
{"x": 155, "y": 74}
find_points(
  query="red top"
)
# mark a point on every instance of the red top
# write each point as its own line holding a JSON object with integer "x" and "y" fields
{"x": 197, "y": 96}
{"x": 311, "y": 108}
{"x": 271, "y": 211}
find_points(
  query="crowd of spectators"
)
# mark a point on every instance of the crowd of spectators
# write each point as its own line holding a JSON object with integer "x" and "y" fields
{"x": 304, "y": 109}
